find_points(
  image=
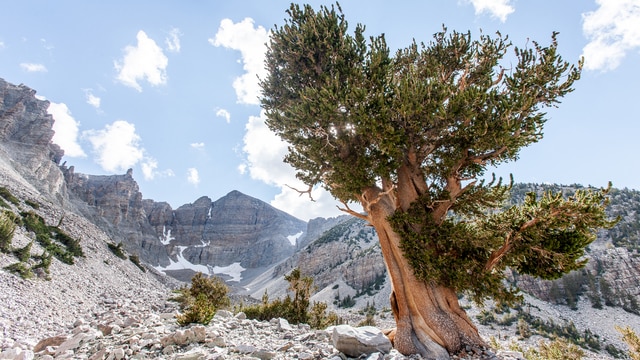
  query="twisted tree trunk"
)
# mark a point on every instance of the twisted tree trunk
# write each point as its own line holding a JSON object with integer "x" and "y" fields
{"x": 429, "y": 320}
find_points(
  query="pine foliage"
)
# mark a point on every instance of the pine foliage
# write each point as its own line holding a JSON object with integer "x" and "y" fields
{"x": 430, "y": 120}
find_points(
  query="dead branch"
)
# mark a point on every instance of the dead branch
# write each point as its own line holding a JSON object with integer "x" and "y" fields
{"x": 302, "y": 192}
{"x": 351, "y": 212}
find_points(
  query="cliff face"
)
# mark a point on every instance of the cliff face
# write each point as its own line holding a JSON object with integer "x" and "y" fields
{"x": 236, "y": 230}
{"x": 25, "y": 138}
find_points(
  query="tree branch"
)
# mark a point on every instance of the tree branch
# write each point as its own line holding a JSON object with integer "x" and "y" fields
{"x": 351, "y": 212}
{"x": 302, "y": 192}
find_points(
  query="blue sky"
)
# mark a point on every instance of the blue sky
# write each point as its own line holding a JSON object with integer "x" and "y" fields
{"x": 169, "y": 88}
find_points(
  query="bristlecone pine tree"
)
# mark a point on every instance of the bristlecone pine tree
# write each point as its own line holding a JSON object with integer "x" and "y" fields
{"x": 409, "y": 137}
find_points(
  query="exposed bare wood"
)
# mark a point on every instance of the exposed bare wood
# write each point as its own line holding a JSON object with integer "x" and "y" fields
{"x": 302, "y": 192}
{"x": 352, "y": 212}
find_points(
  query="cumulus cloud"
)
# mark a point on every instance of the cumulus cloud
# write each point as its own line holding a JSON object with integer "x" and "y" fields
{"x": 613, "y": 30}
{"x": 31, "y": 67}
{"x": 199, "y": 145}
{"x": 145, "y": 61}
{"x": 264, "y": 152}
{"x": 192, "y": 176}
{"x": 117, "y": 146}
{"x": 66, "y": 130}
{"x": 172, "y": 41}
{"x": 496, "y": 8}
{"x": 251, "y": 42}
{"x": 2, "y": 46}
{"x": 224, "y": 114}
{"x": 92, "y": 99}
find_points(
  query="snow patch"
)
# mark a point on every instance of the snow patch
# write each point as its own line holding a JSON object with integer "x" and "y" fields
{"x": 294, "y": 238}
{"x": 234, "y": 271}
{"x": 183, "y": 263}
{"x": 166, "y": 237}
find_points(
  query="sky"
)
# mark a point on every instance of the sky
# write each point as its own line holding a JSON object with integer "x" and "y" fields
{"x": 170, "y": 88}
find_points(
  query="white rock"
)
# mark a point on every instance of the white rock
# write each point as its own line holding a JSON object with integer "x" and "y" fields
{"x": 283, "y": 325}
{"x": 364, "y": 340}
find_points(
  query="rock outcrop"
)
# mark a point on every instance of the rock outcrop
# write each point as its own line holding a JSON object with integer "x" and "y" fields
{"x": 25, "y": 139}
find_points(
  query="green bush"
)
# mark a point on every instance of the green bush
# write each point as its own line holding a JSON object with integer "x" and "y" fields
{"x": 7, "y": 228}
{"x": 45, "y": 261}
{"x": 24, "y": 254}
{"x": 117, "y": 250}
{"x": 555, "y": 350}
{"x": 33, "y": 204}
{"x": 295, "y": 310}
{"x": 21, "y": 269}
{"x": 136, "y": 261}
{"x": 6, "y": 194}
{"x": 201, "y": 300}
{"x": 632, "y": 340}
{"x": 52, "y": 238}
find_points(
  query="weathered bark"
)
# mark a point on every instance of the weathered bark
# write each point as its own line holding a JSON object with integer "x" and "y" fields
{"x": 428, "y": 317}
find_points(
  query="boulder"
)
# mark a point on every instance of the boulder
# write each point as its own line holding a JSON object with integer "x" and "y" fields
{"x": 364, "y": 340}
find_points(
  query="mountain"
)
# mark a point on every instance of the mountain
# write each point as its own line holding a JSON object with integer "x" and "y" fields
{"x": 234, "y": 236}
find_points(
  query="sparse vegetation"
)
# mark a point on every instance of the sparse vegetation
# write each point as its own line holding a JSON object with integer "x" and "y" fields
{"x": 21, "y": 269}
{"x": 117, "y": 250}
{"x": 201, "y": 300}
{"x": 295, "y": 310}
{"x": 136, "y": 261}
{"x": 52, "y": 238}
{"x": 555, "y": 350}
{"x": 7, "y": 228}
{"x": 33, "y": 204}
{"x": 633, "y": 341}
{"x": 6, "y": 194}
{"x": 23, "y": 254}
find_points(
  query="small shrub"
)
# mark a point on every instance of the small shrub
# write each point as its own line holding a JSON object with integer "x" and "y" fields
{"x": 319, "y": 319}
{"x": 614, "y": 351}
{"x": 631, "y": 338}
{"x": 555, "y": 350}
{"x": 523, "y": 328}
{"x": 45, "y": 261}
{"x": 6, "y": 194}
{"x": 72, "y": 245}
{"x": 296, "y": 309}
{"x": 7, "y": 228}
{"x": 24, "y": 253}
{"x": 21, "y": 269}
{"x": 201, "y": 300}
{"x": 136, "y": 261}
{"x": 33, "y": 204}
{"x": 117, "y": 250}
{"x": 52, "y": 238}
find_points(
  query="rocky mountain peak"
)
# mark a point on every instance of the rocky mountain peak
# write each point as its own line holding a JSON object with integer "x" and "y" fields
{"x": 25, "y": 137}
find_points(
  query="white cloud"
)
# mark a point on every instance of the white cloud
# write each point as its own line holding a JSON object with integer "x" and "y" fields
{"x": 92, "y": 99}
{"x": 31, "y": 67}
{"x": 199, "y": 145}
{"x": 2, "y": 46}
{"x": 497, "y": 8}
{"x": 66, "y": 130}
{"x": 251, "y": 42}
{"x": 117, "y": 146}
{"x": 264, "y": 153}
{"x": 172, "y": 41}
{"x": 146, "y": 61}
{"x": 613, "y": 30}
{"x": 192, "y": 176}
{"x": 224, "y": 114}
